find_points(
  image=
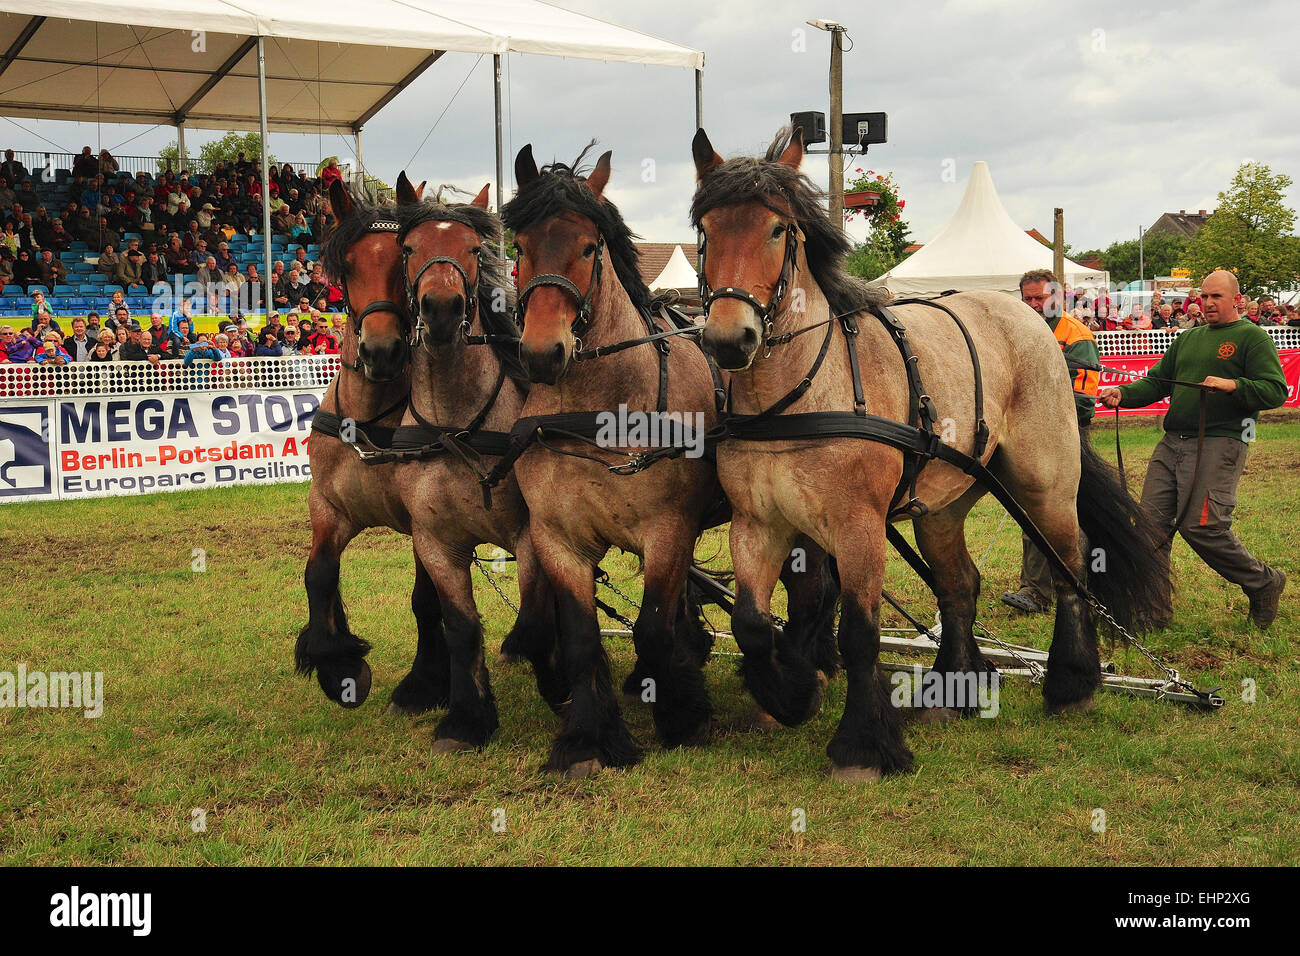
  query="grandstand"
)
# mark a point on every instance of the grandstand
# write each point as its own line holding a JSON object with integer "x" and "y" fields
{"x": 86, "y": 289}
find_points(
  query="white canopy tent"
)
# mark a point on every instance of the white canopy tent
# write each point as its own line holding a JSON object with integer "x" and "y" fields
{"x": 677, "y": 274}
{"x": 269, "y": 65}
{"x": 980, "y": 248}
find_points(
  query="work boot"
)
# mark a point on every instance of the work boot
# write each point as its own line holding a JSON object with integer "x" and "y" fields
{"x": 1263, "y": 603}
{"x": 1029, "y": 602}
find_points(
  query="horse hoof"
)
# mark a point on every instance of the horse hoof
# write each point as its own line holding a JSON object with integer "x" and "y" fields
{"x": 762, "y": 721}
{"x": 350, "y": 691}
{"x": 855, "y": 775}
{"x": 450, "y": 745}
{"x": 934, "y": 716}
{"x": 399, "y": 711}
{"x": 584, "y": 768}
{"x": 1084, "y": 706}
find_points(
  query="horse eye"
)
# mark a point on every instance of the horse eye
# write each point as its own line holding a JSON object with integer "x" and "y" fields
{"x": 776, "y": 232}
{"x": 589, "y": 251}
{"x": 477, "y": 250}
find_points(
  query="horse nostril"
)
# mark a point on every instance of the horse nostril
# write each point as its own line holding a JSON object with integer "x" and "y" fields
{"x": 557, "y": 354}
{"x": 748, "y": 339}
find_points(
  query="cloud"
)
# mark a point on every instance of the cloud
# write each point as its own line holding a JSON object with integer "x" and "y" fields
{"x": 1114, "y": 111}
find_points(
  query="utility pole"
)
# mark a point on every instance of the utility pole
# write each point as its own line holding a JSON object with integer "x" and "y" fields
{"x": 837, "y": 118}
{"x": 837, "y": 127}
{"x": 1058, "y": 245}
{"x": 1142, "y": 272}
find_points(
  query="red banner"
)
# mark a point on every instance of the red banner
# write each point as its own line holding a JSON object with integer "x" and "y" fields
{"x": 1141, "y": 364}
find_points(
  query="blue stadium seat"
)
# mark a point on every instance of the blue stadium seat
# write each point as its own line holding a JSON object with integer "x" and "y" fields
{"x": 76, "y": 304}
{"x": 69, "y": 256}
{"x": 110, "y": 289}
{"x": 80, "y": 268}
{"x": 64, "y": 290}
{"x": 79, "y": 246}
{"x": 32, "y": 290}
{"x": 12, "y": 291}
{"x": 24, "y": 301}
{"x": 132, "y": 235}
{"x": 89, "y": 289}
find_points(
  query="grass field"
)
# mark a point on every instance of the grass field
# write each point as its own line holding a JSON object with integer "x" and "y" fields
{"x": 203, "y": 713}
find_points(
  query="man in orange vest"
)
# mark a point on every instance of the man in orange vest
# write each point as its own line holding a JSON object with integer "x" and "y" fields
{"x": 1041, "y": 291}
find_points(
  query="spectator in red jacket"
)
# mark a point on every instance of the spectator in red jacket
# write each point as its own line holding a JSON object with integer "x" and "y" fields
{"x": 321, "y": 342}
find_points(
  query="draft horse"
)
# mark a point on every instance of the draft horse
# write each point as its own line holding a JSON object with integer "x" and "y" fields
{"x": 361, "y": 408}
{"x": 464, "y": 399}
{"x": 803, "y": 338}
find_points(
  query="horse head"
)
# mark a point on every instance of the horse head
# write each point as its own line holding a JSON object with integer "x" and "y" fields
{"x": 560, "y": 258}
{"x": 749, "y": 248}
{"x": 442, "y": 255}
{"x": 363, "y": 257}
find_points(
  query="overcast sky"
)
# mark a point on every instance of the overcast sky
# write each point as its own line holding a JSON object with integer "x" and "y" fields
{"x": 1115, "y": 111}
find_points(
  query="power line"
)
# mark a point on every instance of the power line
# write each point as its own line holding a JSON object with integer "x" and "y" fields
{"x": 444, "y": 111}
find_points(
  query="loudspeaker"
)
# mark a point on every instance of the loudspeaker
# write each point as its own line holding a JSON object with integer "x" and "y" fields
{"x": 813, "y": 125}
{"x": 865, "y": 128}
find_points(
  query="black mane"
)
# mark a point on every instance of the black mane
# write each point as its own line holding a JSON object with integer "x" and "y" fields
{"x": 750, "y": 179}
{"x": 366, "y": 208}
{"x": 561, "y": 188}
{"x": 495, "y": 291}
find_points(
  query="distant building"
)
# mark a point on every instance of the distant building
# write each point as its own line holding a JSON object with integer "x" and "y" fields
{"x": 655, "y": 255}
{"x": 1183, "y": 224}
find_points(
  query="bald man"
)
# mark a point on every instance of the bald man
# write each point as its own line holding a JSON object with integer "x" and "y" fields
{"x": 1238, "y": 361}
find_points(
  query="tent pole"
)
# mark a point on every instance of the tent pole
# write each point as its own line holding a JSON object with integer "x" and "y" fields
{"x": 180, "y": 144}
{"x": 266, "y": 176}
{"x": 699, "y": 99}
{"x": 361, "y": 167}
{"x": 496, "y": 64}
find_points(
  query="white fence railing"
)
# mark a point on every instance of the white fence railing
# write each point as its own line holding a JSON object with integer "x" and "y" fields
{"x": 1156, "y": 341}
{"x": 136, "y": 378}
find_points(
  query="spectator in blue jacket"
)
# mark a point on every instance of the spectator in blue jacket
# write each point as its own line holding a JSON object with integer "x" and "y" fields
{"x": 51, "y": 351}
{"x": 270, "y": 346}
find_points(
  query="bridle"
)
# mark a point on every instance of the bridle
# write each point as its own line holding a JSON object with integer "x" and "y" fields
{"x": 766, "y": 313}
{"x": 583, "y": 317}
{"x": 378, "y": 305}
{"x": 419, "y": 329}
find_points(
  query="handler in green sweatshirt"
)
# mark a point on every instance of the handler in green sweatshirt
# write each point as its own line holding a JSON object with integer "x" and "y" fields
{"x": 1239, "y": 362}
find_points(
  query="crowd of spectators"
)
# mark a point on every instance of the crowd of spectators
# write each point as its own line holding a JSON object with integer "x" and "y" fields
{"x": 1100, "y": 313}
{"x": 176, "y": 230}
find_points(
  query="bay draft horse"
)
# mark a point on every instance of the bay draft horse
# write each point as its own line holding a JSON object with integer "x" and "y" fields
{"x": 778, "y": 263}
{"x": 368, "y": 397}
{"x": 581, "y": 290}
{"x": 464, "y": 399}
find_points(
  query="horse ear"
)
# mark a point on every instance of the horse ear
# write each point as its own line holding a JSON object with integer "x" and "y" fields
{"x": 526, "y": 167}
{"x": 406, "y": 193}
{"x": 419, "y": 190}
{"x": 599, "y": 177}
{"x": 481, "y": 200}
{"x": 793, "y": 155}
{"x": 340, "y": 202}
{"x": 706, "y": 158}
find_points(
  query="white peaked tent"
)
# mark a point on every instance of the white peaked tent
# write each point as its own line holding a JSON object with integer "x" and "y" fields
{"x": 677, "y": 274}
{"x": 980, "y": 248}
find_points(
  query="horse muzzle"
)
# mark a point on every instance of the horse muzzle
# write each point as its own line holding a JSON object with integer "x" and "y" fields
{"x": 732, "y": 348}
{"x": 383, "y": 361}
{"x": 545, "y": 365}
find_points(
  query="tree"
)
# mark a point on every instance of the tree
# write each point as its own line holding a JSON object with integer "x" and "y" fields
{"x": 1160, "y": 252}
{"x": 890, "y": 234}
{"x": 226, "y": 149}
{"x": 1250, "y": 232}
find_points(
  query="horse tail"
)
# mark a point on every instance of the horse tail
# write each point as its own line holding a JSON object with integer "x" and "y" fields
{"x": 1132, "y": 569}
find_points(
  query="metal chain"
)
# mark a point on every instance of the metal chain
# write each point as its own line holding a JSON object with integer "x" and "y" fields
{"x": 604, "y": 578}
{"x": 1170, "y": 673}
{"x": 1036, "y": 671}
{"x": 491, "y": 580}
